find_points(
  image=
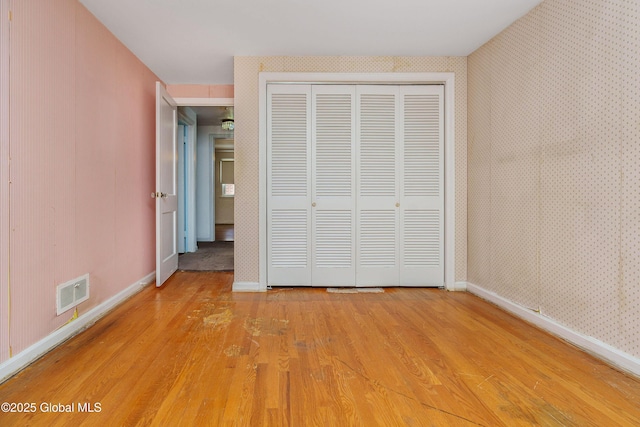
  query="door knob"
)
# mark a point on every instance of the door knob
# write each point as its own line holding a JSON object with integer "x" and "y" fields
{"x": 313, "y": 204}
{"x": 397, "y": 205}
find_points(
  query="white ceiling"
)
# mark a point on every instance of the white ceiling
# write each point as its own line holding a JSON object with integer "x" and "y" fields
{"x": 212, "y": 116}
{"x": 194, "y": 41}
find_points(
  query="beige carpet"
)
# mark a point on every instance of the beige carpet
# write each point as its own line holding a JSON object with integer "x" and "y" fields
{"x": 210, "y": 256}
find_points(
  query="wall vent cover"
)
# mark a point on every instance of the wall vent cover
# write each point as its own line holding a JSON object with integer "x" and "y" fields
{"x": 72, "y": 293}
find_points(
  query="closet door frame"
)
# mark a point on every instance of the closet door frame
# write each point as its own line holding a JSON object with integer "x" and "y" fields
{"x": 445, "y": 78}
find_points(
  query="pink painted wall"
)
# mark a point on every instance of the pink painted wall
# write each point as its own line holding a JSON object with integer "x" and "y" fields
{"x": 82, "y": 164}
{"x": 4, "y": 180}
{"x": 200, "y": 91}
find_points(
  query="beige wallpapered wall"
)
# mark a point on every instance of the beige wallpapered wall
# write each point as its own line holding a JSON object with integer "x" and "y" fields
{"x": 554, "y": 166}
{"x": 246, "y": 71}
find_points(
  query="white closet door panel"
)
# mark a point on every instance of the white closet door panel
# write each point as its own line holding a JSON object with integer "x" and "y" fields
{"x": 378, "y": 248}
{"x": 421, "y": 238}
{"x": 421, "y": 252}
{"x": 422, "y": 146}
{"x": 377, "y": 183}
{"x": 333, "y": 141}
{"x": 333, "y": 252}
{"x": 377, "y": 139}
{"x": 289, "y": 184}
{"x": 378, "y": 238}
{"x": 421, "y": 188}
{"x": 333, "y": 186}
{"x": 333, "y": 244}
{"x": 289, "y": 144}
{"x": 289, "y": 238}
{"x": 355, "y": 185}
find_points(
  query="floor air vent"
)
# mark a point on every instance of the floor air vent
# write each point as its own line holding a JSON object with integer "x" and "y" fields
{"x": 72, "y": 293}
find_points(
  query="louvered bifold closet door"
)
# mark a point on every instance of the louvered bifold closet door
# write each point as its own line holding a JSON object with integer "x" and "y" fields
{"x": 333, "y": 185}
{"x": 289, "y": 185}
{"x": 422, "y": 186}
{"x": 377, "y": 181}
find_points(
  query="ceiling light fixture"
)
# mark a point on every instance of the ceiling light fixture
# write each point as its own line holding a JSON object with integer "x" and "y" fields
{"x": 227, "y": 124}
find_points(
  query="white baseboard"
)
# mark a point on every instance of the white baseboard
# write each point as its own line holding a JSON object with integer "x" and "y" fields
{"x": 597, "y": 348}
{"x": 247, "y": 287}
{"x": 21, "y": 360}
{"x": 459, "y": 286}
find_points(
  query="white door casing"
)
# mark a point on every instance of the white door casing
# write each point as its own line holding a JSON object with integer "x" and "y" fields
{"x": 187, "y": 120}
{"x": 191, "y": 159}
{"x": 446, "y": 79}
{"x": 166, "y": 186}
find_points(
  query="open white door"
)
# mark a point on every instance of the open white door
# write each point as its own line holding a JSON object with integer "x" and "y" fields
{"x": 166, "y": 186}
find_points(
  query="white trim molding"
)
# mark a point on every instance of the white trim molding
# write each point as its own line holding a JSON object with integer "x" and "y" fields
{"x": 597, "y": 348}
{"x": 248, "y": 287}
{"x": 204, "y": 102}
{"x": 459, "y": 286}
{"x": 15, "y": 364}
{"x": 445, "y": 78}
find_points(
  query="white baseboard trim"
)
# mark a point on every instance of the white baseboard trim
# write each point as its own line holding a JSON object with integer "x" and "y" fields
{"x": 610, "y": 354}
{"x": 459, "y": 287}
{"x": 247, "y": 287}
{"x": 21, "y": 360}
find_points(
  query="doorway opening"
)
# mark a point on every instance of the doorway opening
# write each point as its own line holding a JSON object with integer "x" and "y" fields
{"x": 205, "y": 216}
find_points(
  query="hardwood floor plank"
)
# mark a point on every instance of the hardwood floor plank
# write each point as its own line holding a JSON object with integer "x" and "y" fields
{"x": 224, "y": 232}
{"x": 194, "y": 353}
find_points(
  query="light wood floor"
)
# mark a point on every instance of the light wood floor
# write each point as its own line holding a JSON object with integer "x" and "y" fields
{"x": 195, "y": 354}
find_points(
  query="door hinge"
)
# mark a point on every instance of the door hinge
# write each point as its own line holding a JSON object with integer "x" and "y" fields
{"x": 10, "y": 16}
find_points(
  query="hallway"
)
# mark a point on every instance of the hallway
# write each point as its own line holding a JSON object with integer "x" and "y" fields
{"x": 211, "y": 256}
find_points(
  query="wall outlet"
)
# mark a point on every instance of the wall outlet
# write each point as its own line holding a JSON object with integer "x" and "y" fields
{"x": 72, "y": 293}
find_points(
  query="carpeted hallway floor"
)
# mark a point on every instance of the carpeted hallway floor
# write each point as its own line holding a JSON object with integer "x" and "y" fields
{"x": 211, "y": 256}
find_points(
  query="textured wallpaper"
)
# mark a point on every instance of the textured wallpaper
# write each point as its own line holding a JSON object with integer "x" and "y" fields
{"x": 554, "y": 166}
{"x": 246, "y": 71}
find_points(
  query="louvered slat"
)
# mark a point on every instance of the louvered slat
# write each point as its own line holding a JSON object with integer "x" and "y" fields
{"x": 289, "y": 238}
{"x": 421, "y": 238}
{"x": 377, "y": 238}
{"x": 377, "y": 145}
{"x": 421, "y": 145}
{"x": 333, "y": 142}
{"x": 289, "y": 172}
{"x": 333, "y": 241}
